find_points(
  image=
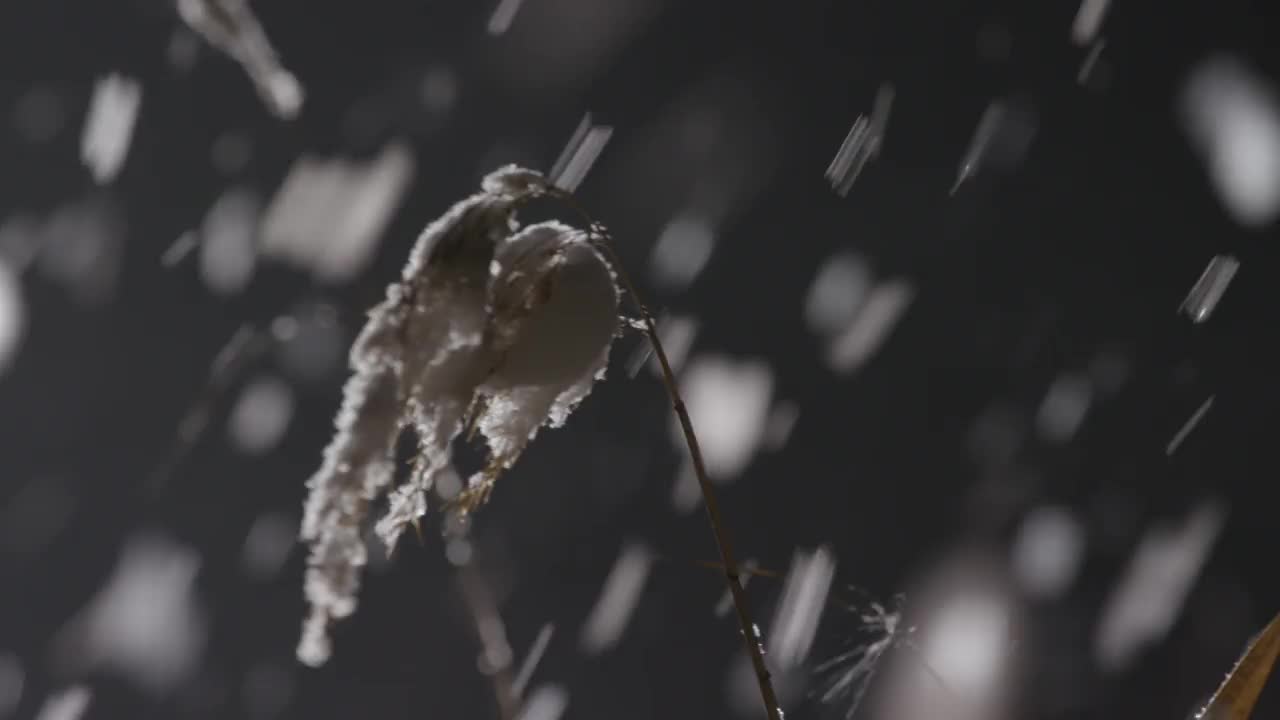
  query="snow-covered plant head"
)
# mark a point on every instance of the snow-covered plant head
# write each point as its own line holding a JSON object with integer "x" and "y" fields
{"x": 493, "y": 327}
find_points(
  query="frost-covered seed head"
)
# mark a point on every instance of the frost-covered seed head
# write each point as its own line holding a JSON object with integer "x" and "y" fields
{"x": 557, "y": 309}
{"x": 510, "y": 326}
{"x": 513, "y": 180}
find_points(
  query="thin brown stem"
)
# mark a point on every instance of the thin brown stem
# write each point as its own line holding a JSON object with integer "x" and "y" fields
{"x": 723, "y": 544}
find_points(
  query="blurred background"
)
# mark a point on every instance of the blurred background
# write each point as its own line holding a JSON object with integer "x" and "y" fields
{"x": 968, "y": 300}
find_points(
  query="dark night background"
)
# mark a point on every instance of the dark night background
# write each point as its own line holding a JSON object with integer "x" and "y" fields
{"x": 1069, "y": 258}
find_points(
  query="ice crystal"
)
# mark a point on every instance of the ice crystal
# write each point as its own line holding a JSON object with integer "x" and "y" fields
{"x": 492, "y": 326}
{"x": 850, "y": 672}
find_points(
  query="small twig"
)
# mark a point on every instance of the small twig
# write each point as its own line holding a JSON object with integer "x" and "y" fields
{"x": 756, "y": 571}
{"x": 723, "y": 544}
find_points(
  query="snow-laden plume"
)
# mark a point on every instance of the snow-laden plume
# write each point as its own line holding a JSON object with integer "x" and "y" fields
{"x": 492, "y": 326}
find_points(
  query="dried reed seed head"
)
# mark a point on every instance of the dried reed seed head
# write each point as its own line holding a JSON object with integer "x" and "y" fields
{"x": 555, "y": 304}
{"x": 514, "y": 181}
{"x": 513, "y": 326}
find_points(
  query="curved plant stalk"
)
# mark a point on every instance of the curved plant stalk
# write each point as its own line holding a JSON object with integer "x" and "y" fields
{"x": 750, "y": 633}
{"x": 1236, "y": 698}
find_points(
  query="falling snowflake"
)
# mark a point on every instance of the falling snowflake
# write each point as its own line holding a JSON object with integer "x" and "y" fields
{"x": 232, "y": 27}
{"x": 850, "y": 672}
